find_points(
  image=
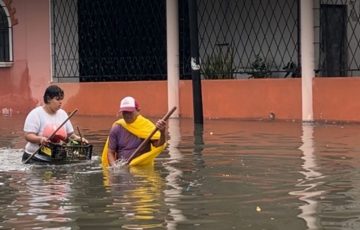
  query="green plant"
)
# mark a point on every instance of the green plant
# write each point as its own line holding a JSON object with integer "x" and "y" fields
{"x": 260, "y": 69}
{"x": 292, "y": 69}
{"x": 219, "y": 65}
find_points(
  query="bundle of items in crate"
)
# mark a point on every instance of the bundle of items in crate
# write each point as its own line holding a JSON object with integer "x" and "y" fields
{"x": 68, "y": 152}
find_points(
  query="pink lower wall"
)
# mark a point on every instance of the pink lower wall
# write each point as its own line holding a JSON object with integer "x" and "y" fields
{"x": 23, "y": 84}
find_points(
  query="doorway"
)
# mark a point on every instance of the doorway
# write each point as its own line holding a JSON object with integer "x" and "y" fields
{"x": 333, "y": 55}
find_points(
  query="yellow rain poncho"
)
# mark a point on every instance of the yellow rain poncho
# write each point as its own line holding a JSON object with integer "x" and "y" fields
{"x": 141, "y": 128}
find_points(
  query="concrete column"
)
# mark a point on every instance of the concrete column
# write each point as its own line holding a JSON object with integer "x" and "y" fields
{"x": 307, "y": 57}
{"x": 172, "y": 41}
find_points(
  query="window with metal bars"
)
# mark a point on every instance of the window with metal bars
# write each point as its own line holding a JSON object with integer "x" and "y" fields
{"x": 5, "y": 39}
{"x": 112, "y": 40}
{"x": 249, "y": 38}
{"x": 109, "y": 40}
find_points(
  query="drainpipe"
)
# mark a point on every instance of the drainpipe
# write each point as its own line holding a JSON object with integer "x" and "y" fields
{"x": 307, "y": 58}
{"x": 172, "y": 42}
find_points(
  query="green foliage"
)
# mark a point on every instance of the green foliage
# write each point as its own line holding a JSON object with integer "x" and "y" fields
{"x": 219, "y": 65}
{"x": 260, "y": 69}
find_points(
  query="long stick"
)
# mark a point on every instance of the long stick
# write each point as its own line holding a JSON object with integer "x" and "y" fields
{"x": 51, "y": 136}
{"x": 79, "y": 135}
{"x": 151, "y": 134}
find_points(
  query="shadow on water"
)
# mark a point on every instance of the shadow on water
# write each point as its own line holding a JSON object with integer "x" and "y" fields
{"x": 225, "y": 174}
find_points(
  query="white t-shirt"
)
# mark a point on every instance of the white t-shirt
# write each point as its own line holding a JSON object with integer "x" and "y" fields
{"x": 38, "y": 119}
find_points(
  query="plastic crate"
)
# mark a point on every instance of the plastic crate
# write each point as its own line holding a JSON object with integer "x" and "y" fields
{"x": 68, "y": 153}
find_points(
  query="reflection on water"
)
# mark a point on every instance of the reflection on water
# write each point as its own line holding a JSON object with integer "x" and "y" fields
{"x": 174, "y": 189}
{"x": 134, "y": 191}
{"x": 226, "y": 174}
{"x": 311, "y": 181}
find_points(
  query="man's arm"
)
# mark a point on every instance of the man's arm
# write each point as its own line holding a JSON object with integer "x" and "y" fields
{"x": 111, "y": 157}
{"x": 161, "y": 125}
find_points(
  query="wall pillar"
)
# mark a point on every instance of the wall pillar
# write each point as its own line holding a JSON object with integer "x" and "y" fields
{"x": 307, "y": 57}
{"x": 172, "y": 41}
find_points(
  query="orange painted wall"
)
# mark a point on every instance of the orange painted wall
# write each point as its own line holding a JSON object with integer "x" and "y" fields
{"x": 104, "y": 98}
{"x": 246, "y": 99}
{"x": 252, "y": 99}
{"x": 336, "y": 99}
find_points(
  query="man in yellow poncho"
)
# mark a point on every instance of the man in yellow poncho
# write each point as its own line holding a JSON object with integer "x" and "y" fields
{"x": 129, "y": 132}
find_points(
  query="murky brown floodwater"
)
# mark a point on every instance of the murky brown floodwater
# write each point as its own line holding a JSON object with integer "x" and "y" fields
{"x": 227, "y": 174}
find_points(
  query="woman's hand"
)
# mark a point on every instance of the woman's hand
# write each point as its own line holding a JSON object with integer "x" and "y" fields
{"x": 83, "y": 140}
{"x": 78, "y": 138}
{"x": 43, "y": 141}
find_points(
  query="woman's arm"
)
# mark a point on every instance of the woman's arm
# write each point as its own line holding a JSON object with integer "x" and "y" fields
{"x": 36, "y": 139}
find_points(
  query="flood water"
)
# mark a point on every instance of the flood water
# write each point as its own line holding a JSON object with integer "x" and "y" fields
{"x": 227, "y": 174}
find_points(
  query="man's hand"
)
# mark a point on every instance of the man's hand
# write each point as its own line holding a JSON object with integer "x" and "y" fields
{"x": 161, "y": 125}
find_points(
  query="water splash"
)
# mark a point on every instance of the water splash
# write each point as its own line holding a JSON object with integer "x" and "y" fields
{"x": 11, "y": 160}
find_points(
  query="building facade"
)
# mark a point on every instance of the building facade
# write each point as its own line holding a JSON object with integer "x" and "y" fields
{"x": 258, "y": 58}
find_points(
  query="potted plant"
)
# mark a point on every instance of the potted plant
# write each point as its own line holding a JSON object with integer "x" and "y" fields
{"x": 259, "y": 67}
{"x": 220, "y": 64}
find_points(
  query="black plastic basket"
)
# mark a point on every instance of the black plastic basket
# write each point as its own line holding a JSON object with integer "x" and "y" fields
{"x": 69, "y": 153}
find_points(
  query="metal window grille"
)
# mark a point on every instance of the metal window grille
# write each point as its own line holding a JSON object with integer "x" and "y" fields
{"x": 248, "y": 38}
{"x": 108, "y": 40}
{"x": 112, "y": 40}
{"x": 4, "y": 37}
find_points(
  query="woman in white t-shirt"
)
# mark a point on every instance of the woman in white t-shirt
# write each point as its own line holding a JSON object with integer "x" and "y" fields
{"x": 42, "y": 121}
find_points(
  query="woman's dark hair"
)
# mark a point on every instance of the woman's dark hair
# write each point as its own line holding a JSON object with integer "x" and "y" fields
{"x": 53, "y": 91}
